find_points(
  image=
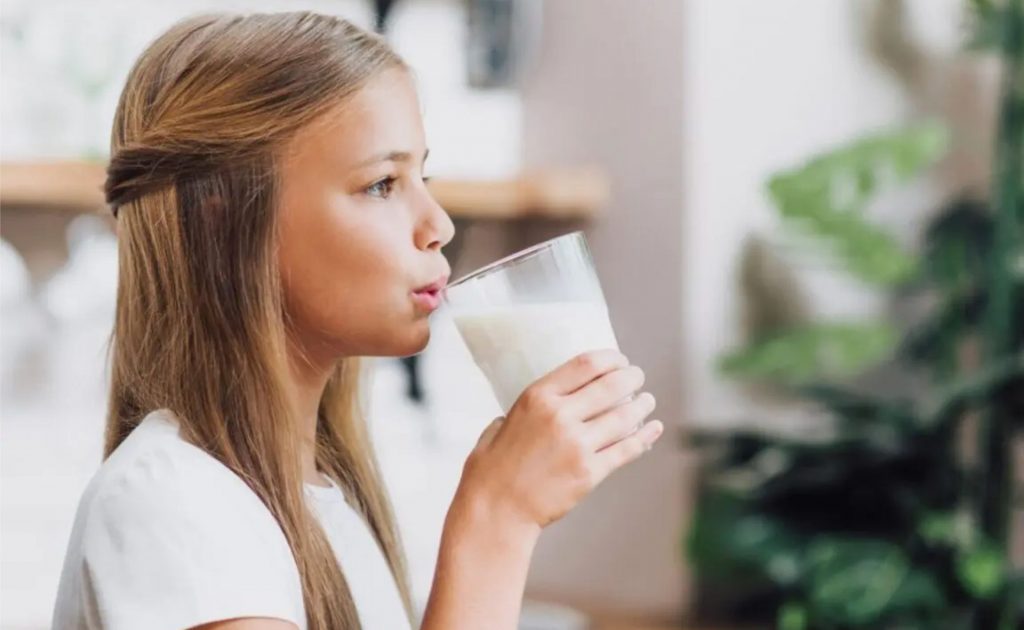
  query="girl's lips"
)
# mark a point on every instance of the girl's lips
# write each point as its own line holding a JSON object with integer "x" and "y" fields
{"x": 436, "y": 286}
{"x": 429, "y": 296}
{"x": 429, "y": 300}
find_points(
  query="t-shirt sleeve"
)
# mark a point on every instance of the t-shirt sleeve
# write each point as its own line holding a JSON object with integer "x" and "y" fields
{"x": 172, "y": 543}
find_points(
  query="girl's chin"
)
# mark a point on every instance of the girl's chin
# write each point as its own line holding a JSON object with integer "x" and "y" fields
{"x": 416, "y": 342}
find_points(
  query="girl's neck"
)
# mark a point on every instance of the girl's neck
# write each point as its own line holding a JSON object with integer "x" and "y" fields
{"x": 308, "y": 380}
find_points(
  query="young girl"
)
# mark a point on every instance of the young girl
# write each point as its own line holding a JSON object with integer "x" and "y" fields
{"x": 274, "y": 226}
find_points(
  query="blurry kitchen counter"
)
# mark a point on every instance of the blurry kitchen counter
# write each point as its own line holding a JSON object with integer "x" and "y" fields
{"x": 569, "y": 193}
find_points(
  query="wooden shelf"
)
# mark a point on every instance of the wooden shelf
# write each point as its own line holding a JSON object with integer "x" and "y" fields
{"x": 572, "y": 193}
{"x": 71, "y": 186}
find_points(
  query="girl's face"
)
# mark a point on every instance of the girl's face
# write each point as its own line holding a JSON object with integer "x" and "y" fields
{"x": 360, "y": 236}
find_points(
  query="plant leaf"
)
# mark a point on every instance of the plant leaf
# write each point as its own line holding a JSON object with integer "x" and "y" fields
{"x": 726, "y": 542}
{"x": 919, "y": 594}
{"x": 1006, "y": 375}
{"x": 853, "y": 582}
{"x": 826, "y": 196}
{"x": 791, "y": 616}
{"x": 982, "y": 571}
{"x": 988, "y": 24}
{"x": 815, "y": 352}
{"x": 955, "y": 529}
{"x": 942, "y": 330}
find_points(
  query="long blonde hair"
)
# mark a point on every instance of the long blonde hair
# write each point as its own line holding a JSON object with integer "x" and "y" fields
{"x": 200, "y": 326}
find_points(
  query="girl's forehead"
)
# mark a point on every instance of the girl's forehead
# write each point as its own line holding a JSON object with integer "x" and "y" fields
{"x": 382, "y": 116}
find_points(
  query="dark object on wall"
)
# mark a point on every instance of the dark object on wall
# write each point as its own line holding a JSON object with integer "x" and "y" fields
{"x": 381, "y": 12}
{"x": 500, "y": 37}
{"x": 490, "y": 43}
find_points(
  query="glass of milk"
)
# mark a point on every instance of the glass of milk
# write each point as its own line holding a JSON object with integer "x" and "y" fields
{"x": 527, "y": 314}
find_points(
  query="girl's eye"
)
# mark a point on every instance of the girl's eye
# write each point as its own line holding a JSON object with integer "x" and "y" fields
{"x": 382, "y": 188}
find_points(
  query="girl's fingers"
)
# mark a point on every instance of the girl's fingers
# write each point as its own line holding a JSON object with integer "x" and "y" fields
{"x": 620, "y": 422}
{"x": 611, "y": 390}
{"x": 626, "y": 450}
{"x": 582, "y": 370}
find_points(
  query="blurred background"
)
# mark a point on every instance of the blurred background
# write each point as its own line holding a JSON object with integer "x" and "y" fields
{"x": 808, "y": 220}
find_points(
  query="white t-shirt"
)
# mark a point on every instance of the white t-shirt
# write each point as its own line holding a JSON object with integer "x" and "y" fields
{"x": 168, "y": 537}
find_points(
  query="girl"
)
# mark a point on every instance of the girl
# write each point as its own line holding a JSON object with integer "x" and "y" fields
{"x": 274, "y": 226}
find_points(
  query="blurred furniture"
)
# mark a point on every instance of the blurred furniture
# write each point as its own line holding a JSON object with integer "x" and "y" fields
{"x": 562, "y": 194}
{"x": 72, "y": 186}
{"x": 556, "y": 194}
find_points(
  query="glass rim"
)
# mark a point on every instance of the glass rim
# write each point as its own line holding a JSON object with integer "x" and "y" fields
{"x": 516, "y": 257}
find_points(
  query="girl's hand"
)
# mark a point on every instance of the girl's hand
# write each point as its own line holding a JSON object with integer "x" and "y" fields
{"x": 565, "y": 434}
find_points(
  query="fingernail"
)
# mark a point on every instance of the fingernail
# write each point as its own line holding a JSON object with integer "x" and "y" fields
{"x": 658, "y": 430}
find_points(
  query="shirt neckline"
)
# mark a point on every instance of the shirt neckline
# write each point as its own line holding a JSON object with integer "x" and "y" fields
{"x": 331, "y": 493}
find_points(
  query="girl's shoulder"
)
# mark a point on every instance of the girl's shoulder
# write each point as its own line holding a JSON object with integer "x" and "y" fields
{"x": 156, "y": 474}
{"x": 164, "y": 521}
{"x": 157, "y": 483}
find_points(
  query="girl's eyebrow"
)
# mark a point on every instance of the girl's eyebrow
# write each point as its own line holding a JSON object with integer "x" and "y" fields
{"x": 392, "y": 156}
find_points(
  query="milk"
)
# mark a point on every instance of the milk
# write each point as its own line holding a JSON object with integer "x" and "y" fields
{"x": 518, "y": 344}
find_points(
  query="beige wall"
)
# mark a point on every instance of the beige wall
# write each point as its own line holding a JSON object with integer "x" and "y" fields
{"x": 606, "y": 89}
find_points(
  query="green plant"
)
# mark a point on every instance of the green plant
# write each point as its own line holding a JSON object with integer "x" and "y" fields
{"x": 895, "y": 521}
